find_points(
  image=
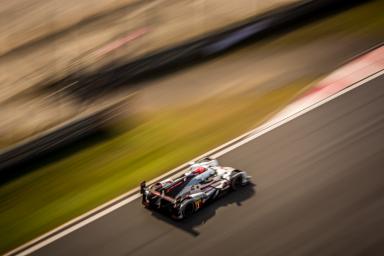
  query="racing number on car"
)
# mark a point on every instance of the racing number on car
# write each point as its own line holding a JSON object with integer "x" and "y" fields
{"x": 198, "y": 203}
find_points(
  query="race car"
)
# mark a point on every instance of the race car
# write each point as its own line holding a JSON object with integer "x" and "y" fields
{"x": 204, "y": 181}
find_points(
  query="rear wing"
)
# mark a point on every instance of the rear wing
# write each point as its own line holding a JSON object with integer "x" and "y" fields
{"x": 143, "y": 187}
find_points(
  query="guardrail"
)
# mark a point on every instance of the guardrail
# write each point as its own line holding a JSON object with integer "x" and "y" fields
{"x": 58, "y": 136}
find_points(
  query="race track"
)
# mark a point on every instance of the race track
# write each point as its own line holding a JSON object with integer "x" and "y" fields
{"x": 319, "y": 190}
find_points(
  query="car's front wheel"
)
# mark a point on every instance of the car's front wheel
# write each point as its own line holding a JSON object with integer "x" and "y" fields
{"x": 236, "y": 182}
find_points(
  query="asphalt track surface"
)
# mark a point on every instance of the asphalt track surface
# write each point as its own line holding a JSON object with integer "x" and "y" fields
{"x": 319, "y": 190}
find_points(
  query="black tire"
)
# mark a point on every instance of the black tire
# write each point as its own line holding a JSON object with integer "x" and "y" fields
{"x": 150, "y": 203}
{"x": 236, "y": 182}
{"x": 188, "y": 210}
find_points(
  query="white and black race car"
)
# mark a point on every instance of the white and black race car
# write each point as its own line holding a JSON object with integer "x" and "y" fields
{"x": 204, "y": 181}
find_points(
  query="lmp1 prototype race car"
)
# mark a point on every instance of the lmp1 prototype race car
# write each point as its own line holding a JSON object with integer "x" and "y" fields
{"x": 204, "y": 181}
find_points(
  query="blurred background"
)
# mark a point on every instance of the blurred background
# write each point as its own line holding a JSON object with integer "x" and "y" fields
{"x": 98, "y": 95}
{"x": 45, "y": 41}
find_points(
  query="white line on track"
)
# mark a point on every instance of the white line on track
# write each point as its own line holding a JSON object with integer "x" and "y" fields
{"x": 118, "y": 202}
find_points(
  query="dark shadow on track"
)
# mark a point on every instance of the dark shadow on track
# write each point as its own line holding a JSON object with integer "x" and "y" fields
{"x": 208, "y": 211}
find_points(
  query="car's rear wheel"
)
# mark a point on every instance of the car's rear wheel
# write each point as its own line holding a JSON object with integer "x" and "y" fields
{"x": 188, "y": 210}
